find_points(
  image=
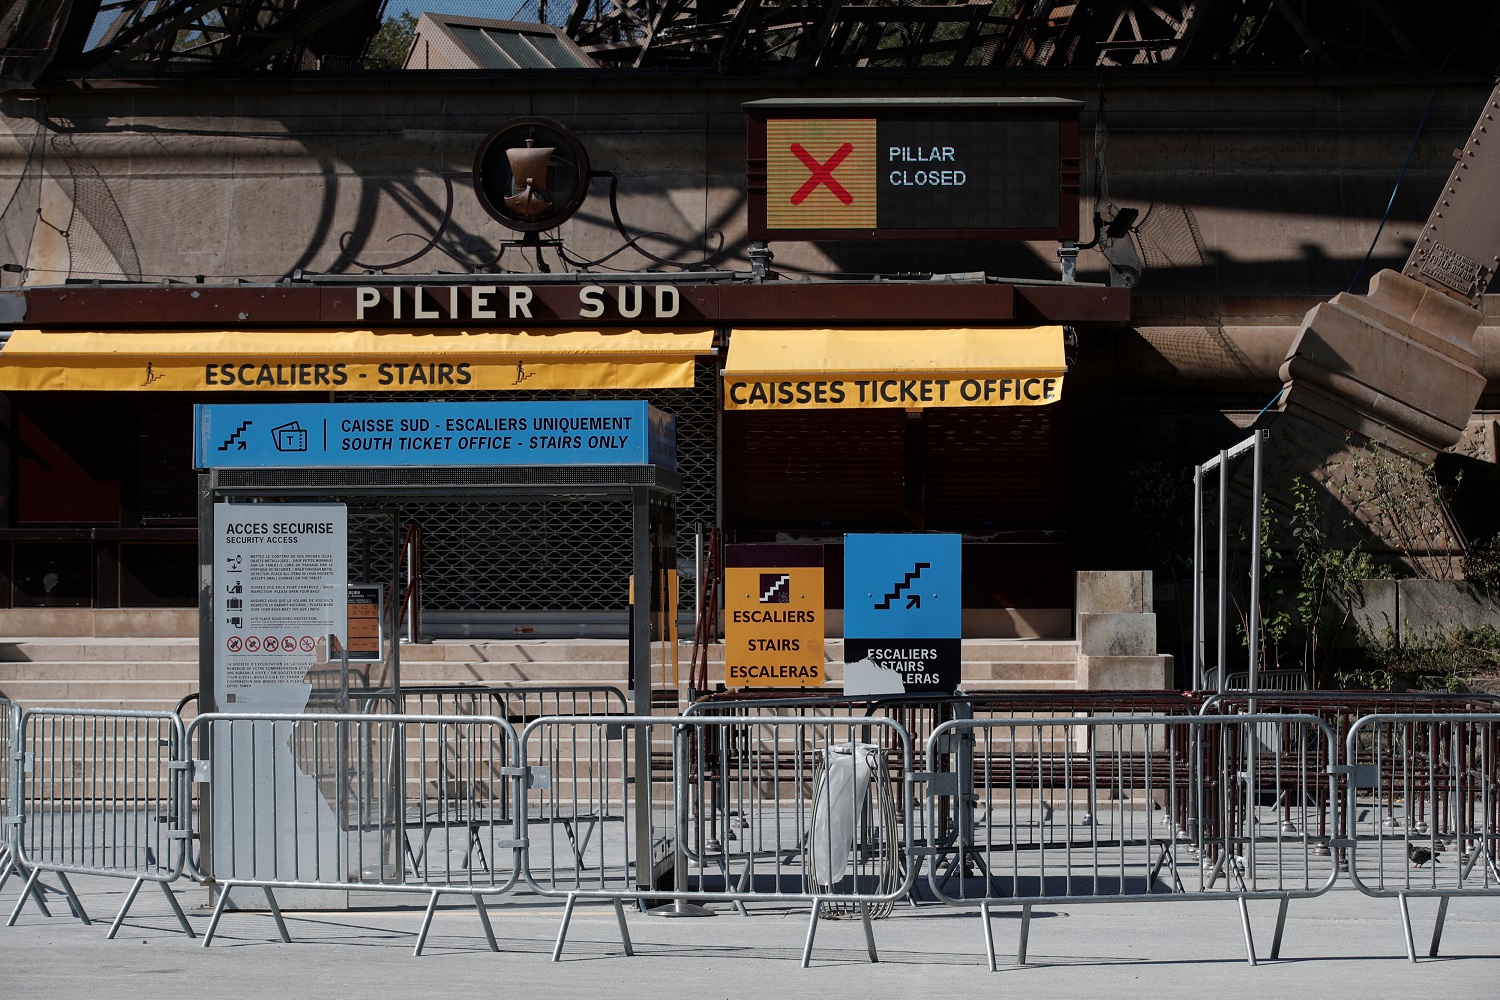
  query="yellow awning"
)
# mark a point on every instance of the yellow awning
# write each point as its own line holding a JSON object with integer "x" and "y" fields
{"x": 350, "y": 360}
{"x": 907, "y": 369}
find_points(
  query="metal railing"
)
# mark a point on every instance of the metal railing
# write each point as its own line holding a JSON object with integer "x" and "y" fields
{"x": 413, "y": 803}
{"x": 9, "y": 719}
{"x": 1099, "y": 809}
{"x": 99, "y": 792}
{"x": 813, "y": 803}
{"x": 818, "y": 799}
{"x": 1266, "y": 680}
{"x": 517, "y": 704}
{"x": 1423, "y": 802}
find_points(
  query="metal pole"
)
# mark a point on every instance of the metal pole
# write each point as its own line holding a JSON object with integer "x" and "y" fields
{"x": 1197, "y": 578}
{"x": 1255, "y": 556}
{"x": 680, "y": 907}
{"x": 208, "y": 695}
{"x": 640, "y": 655}
{"x": 1223, "y": 566}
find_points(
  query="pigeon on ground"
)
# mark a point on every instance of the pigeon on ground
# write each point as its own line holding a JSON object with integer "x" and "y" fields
{"x": 1421, "y": 855}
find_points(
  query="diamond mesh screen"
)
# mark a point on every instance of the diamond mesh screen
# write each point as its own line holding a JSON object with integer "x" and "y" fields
{"x": 561, "y": 554}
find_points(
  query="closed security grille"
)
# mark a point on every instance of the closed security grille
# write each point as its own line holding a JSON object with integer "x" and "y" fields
{"x": 811, "y": 469}
{"x": 999, "y": 468}
{"x": 553, "y": 555}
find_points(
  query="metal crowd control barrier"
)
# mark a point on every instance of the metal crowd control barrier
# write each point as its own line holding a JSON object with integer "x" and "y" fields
{"x": 918, "y": 715}
{"x": 10, "y": 719}
{"x": 1267, "y": 680}
{"x": 1340, "y": 710}
{"x": 813, "y": 798}
{"x": 405, "y": 803}
{"x": 1423, "y": 805}
{"x": 99, "y": 792}
{"x": 1099, "y": 809}
{"x": 518, "y": 705}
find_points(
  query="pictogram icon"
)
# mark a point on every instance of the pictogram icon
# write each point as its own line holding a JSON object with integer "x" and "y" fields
{"x": 822, "y": 173}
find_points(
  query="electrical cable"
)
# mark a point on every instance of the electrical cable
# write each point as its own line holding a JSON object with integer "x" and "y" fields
{"x": 1431, "y": 96}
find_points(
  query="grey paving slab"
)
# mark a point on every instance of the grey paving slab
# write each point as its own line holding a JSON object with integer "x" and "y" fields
{"x": 1340, "y": 945}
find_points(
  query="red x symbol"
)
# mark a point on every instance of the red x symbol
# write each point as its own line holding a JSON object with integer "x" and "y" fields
{"x": 822, "y": 173}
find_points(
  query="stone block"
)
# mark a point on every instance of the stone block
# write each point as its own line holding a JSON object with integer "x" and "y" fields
{"x": 1430, "y": 608}
{"x": 1376, "y": 610}
{"x": 1114, "y": 592}
{"x": 1117, "y": 634}
{"x": 1124, "y": 673}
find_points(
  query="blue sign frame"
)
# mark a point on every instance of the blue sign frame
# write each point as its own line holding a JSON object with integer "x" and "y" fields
{"x": 903, "y": 586}
{"x": 445, "y": 434}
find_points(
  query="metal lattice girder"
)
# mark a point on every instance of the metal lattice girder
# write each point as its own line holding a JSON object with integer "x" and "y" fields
{"x": 736, "y": 34}
{"x": 224, "y": 36}
{"x": 743, "y": 35}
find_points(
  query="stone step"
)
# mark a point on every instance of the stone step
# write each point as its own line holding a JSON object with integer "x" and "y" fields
{"x": 97, "y": 670}
{"x": 70, "y": 693}
{"x": 100, "y": 622}
{"x": 79, "y": 650}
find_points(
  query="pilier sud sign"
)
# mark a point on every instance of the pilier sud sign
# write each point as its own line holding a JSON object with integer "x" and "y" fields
{"x": 341, "y": 435}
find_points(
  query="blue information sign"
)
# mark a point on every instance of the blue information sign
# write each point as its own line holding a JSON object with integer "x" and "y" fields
{"x": 903, "y": 613}
{"x": 341, "y": 435}
{"x": 898, "y": 586}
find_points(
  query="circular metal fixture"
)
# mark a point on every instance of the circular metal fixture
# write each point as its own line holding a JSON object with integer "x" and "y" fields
{"x": 531, "y": 174}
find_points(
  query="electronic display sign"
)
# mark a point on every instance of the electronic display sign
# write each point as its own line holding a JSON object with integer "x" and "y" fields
{"x": 999, "y": 168}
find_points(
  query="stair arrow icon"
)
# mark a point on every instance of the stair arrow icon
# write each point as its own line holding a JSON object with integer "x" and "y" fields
{"x": 914, "y": 601}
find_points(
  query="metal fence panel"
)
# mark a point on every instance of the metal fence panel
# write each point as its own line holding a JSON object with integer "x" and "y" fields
{"x": 518, "y": 705}
{"x": 413, "y": 803}
{"x": 917, "y": 715}
{"x": 1101, "y": 809}
{"x": 395, "y": 801}
{"x": 99, "y": 792}
{"x": 10, "y": 810}
{"x": 740, "y": 808}
{"x": 1423, "y": 809}
{"x": 9, "y": 719}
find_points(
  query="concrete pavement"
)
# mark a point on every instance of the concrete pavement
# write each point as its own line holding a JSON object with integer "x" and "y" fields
{"x": 1340, "y": 945}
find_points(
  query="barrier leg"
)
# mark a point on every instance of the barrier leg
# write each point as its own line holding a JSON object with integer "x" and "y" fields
{"x": 7, "y": 865}
{"x": 1437, "y": 928}
{"x": 74, "y": 903}
{"x": 812, "y": 930}
{"x": 1280, "y": 926}
{"x": 37, "y": 895}
{"x": 989, "y": 936}
{"x": 864, "y": 915}
{"x": 213, "y": 921}
{"x": 182, "y": 919}
{"x": 26, "y": 891}
{"x": 1249, "y": 938}
{"x": 276, "y": 912}
{"x": 562, "y": 931}
{"x": 484, "y": 921}
{"x": 739, "y": 904}
{"x": 114, "y": 928}
{"x": 1411, "y": 944}
{"x": 426, "y": 925}
{"x": 1025, "y": 933}
{"x": 624, "y": 930}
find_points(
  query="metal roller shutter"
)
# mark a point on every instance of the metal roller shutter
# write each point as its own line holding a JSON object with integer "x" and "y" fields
{"x": 995, "y": 469}
{"x": 809, "y": 469}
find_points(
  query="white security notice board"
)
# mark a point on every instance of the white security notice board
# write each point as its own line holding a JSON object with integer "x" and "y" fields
{"x": 281, "y": 586}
